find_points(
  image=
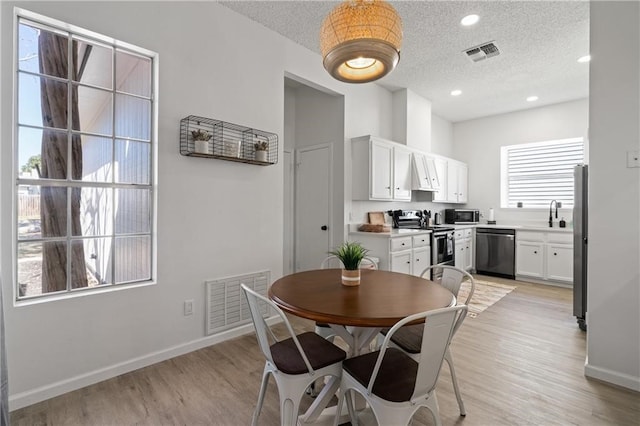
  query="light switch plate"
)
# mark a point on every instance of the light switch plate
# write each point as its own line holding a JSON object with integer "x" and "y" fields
{"x": 633, "y": 159}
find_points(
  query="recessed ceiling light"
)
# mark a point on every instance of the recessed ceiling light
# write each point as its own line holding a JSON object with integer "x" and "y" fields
{"x": 456, "y": 92}
{"x": 469, "y": 20}
{"x": 532, "y": 98}
{"x": 584, "y": 59}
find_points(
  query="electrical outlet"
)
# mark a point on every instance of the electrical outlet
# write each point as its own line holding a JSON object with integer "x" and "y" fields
{"x": 188, "y": 307}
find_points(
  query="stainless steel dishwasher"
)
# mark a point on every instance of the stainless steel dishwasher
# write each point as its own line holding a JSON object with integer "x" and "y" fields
{"x": 496, "y": 252}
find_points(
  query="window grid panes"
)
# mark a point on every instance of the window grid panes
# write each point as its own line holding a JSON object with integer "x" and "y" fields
{"x": 536, "y": 173}
{"x": 84, "y": 161}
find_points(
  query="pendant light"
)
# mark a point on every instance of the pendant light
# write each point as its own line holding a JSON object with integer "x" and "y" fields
{"x": 360, "y": 40}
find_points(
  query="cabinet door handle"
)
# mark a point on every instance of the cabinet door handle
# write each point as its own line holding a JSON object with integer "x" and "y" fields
{"x": 555, "y": 254}
{"x": 408, "y": 262}
{"x": 535, "y": 252}
{"x": 324, "y": 227}
{"x": 401, "y": 244}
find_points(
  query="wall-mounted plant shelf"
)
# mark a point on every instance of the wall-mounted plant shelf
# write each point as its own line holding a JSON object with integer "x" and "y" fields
{"x": 209, "y": 138}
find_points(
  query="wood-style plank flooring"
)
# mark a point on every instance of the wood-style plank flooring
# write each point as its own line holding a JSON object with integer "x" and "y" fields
{"x": 520, "y": 362}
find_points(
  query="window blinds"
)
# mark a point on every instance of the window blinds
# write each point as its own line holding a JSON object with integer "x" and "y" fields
{"x": 540, "y": 172}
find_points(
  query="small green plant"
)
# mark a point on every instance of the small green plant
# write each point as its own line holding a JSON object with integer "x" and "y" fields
{"x": 350, "y": 254}
{"x": 261, "y": 146}
{"x": 200, "y": 135}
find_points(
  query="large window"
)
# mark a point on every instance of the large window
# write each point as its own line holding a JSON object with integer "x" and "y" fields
{"x": 84, "y": 160}
{"x": 536, "y": 173}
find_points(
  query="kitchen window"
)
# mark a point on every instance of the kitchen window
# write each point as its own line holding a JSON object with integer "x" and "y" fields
{"x": 536, "y": 173}
{"x": 84, "y": 160}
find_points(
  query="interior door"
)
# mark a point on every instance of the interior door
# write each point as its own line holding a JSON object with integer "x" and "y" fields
{"x": 313, "y": 206}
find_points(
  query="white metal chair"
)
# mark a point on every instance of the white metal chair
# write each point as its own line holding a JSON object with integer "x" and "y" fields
{"x": 394, "y": 384}
{"x": 295, "y": 362}
{"x": 409, "y": 338}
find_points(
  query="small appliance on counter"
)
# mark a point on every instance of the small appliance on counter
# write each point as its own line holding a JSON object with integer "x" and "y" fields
{"x": 461, "y": 216}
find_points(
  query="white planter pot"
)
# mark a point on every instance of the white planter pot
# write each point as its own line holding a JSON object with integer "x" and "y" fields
{"x": 261, "y": 156}
{"x": 201, "y": 147}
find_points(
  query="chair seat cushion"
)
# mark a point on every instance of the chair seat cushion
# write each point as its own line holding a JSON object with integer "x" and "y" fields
{"x": 319, "y": 351}
{"x": 323, "y": 325}
{"x": 396, "y": 379}
{"x": 409, "y": 338}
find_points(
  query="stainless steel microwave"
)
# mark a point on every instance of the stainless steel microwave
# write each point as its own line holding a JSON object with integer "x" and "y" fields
{"x": 461, "y": 216}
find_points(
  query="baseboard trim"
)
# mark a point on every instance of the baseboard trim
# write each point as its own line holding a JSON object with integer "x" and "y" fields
{"x": 613, "y": 377}
{"x": 52, "y": 390}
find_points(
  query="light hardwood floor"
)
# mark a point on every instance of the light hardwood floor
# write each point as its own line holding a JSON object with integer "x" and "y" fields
{"x": 520, "y": 362}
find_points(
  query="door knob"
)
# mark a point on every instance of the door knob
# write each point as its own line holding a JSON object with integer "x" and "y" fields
{"x": 324, "y": 227}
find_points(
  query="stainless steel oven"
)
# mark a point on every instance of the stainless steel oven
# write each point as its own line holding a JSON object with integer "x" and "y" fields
{"x": 442, "y": 249}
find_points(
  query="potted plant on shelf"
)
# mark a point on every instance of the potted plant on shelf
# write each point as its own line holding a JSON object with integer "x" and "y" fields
{"x": 201, "y": 140}
{"x": 261, "y": 148}
{"x": 350, "y": 254}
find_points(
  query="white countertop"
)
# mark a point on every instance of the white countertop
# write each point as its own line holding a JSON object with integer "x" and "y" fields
{"x": 404, "y": 232}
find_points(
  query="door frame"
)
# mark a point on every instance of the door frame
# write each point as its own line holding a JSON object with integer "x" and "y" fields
{"x": 296, "y": 187}
{"x": 288, "y": 261}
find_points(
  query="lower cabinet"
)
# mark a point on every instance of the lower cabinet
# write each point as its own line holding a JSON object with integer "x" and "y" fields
{"x": 463, "y": 246}
{"x": 546, "y": 256}
{"x": 405, "y": 254}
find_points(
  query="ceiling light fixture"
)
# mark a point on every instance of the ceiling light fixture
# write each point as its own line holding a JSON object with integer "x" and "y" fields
{"x": 469, "y": 20}
{"x": 584, "y": 59}
{"x": 360, "y": 40}
{"x": 532, "y": 98}
{"x": 456, "y": 92}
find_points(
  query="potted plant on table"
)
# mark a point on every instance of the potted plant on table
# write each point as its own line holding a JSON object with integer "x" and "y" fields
{"x": 201, "y": 140}
{"x": 350, "y": 254}
{"x": 261, "y": 148}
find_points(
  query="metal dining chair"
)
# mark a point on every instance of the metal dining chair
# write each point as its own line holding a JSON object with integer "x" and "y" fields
{"x": 295, "y": 362}
{"x": 409, "y": 338}
{"x": 394, "y": 384}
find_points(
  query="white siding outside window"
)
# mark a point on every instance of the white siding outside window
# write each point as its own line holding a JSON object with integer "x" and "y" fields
{"x": 536, "y": 173}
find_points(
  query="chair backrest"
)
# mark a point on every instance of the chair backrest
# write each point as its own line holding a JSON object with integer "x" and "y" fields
{"x": 436, "y": 336}
{"x": 334, "y": 262}
{"x": 452, "y": 279}
{"x": 263, "y": 331}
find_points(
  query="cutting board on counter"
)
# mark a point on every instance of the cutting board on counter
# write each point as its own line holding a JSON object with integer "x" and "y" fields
{"x": 376, "y": 218}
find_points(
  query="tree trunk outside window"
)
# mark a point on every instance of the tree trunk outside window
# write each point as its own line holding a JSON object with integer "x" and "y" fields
{"x": 53, "y": 60}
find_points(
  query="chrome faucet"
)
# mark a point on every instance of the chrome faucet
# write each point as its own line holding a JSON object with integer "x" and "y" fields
{"x": 558, "y": 205}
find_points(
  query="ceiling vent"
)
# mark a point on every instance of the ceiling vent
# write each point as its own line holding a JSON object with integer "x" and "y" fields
{"x": 484, "y": 51}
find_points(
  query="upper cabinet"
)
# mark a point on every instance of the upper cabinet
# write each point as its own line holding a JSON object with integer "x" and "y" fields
{"x": 457, "y": 182}
{"x": 387, "y": 171}
{"x": 381, "y": 170}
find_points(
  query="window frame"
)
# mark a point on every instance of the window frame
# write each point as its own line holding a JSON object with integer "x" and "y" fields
{"x": 505, "y": 201}
{"x": 78, "y": 33}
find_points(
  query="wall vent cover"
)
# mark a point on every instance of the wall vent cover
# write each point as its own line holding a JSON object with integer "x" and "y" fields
{"x": 227, "y": 307}
{"x": 482, "y": 52}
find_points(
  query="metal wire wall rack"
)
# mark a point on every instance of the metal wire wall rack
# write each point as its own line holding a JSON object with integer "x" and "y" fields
{"x": 209, "y": 138}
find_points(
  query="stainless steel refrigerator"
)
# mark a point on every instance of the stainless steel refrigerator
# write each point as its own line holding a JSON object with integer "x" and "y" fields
{"x": 580, "y": 239}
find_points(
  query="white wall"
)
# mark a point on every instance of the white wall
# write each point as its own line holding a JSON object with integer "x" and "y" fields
{"x": 441, "y": 136}
{"x": 478, "y": 142}
{"x": 613, "y": 303}
{"x": 214, "y": 63}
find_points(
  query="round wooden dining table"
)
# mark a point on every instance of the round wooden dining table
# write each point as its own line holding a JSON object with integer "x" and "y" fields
{"x": 382, "y": 298}
{"x": 357, "y": 314}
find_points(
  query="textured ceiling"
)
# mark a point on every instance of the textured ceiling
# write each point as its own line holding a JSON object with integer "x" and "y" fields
{"x": 539, "y": 41}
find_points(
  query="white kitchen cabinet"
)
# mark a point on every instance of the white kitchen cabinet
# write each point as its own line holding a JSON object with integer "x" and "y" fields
{"x": 545, "y": 256}
{"x": 457, "y": 182}
{"x": 440, "y": 165}
{"x": 408, "y": 254}
{"x": 380, "y": 170}
{"x": 560, "y": 262}
{"x": 463, "y": 245}
{"x": 401, "y": 261}
{"x": 530, "y": 258}
{"x": 401, "y": 173}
